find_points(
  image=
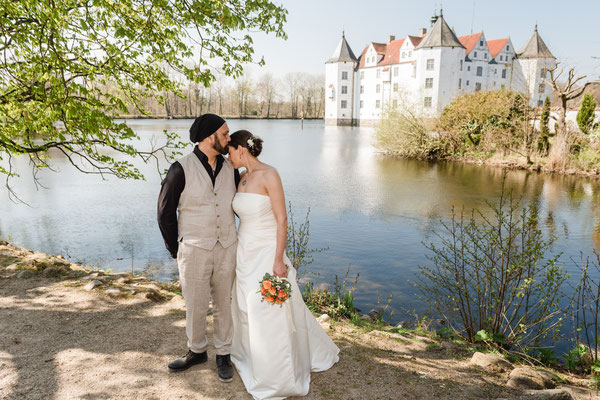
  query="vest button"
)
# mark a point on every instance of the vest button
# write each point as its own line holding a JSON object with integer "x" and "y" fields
{"x": 215, "y": 194}
{"x": 217, "y": 226}
{"x": 217, "y": 204}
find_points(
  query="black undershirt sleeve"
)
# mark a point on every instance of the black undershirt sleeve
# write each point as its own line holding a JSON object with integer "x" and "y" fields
{"x": 236, "y": 176}
{"x": 168, "y": 200}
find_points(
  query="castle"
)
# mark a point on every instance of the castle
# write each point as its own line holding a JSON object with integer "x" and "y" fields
{"x": 428, "y": 71}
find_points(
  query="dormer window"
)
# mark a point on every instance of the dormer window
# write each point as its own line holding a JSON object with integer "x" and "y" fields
{"x": 410, "y": 53}
{"x": 485, "y": 55}
{"x": 481, "y": 43}
{"x": 475, "y": 55}
{"x": 507, "y": 48}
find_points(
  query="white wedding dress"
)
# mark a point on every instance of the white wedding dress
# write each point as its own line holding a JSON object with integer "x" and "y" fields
{"x": 274, "y": 347}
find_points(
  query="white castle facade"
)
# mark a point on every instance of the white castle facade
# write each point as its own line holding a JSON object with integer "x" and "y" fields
{"x": 428, "y": 71}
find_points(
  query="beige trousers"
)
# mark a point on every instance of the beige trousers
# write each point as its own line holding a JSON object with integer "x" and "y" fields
{"x": 204, "y": 273}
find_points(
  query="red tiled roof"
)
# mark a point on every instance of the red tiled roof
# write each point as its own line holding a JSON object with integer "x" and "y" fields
{"x": 392, "y": 53}
{"x": 469, "y": 41}
{"x": 415, "y": 40}
{"x": 379, "y": 48}
{"x": 496, "y": 46}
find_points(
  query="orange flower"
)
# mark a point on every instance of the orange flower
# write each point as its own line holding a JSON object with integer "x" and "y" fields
{"x": 269, "y": 299}
{"x": 278, "y": 301}
{"x": 272, "y": 291}
{"x": 266, "y": 284}
{"x": 281, "y": 293}
{"x": 263, "y": 291}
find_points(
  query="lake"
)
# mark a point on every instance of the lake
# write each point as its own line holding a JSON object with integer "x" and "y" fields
{"x": 372, "y": 212}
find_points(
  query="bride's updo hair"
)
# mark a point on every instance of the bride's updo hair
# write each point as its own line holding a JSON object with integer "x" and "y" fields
{"x": 248, "y": 140}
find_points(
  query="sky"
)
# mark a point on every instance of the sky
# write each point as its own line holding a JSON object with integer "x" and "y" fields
{"x": 571, "y": 29}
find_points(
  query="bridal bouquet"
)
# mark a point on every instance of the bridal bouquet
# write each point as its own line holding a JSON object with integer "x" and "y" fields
{"x": 275, "y": 290}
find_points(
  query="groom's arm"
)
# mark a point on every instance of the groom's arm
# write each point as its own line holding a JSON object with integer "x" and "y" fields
{"x": 168, "y": 200}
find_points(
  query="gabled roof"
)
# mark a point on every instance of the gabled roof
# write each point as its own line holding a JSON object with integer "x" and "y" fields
{"x": 392, "y": 53}
{"x": 440, "y": 36}
{"x": 343, "y": 52}
{"x": 496, "y": 46}
{"x": 379, "y": 49}
{"x": 535, "y": 47}
{"x": 470, "y": 41}
{"x": 415, "y": 40}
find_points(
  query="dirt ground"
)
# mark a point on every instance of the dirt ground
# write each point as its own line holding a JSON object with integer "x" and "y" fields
{"x": 60, "y": 341}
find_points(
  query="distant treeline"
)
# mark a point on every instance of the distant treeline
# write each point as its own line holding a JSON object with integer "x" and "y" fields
{"x": 296, "y": 95}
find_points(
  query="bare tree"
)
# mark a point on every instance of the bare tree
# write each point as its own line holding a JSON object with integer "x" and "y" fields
{"x": 242, "y": 88}
{"x": 266, "y": 93}
{"x": 292, "y": 84}
{"x": 565, "y": 92}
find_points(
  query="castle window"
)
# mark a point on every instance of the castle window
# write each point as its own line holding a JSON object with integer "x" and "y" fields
{"x": 495, "y": 71}
{"x": 543, "y": 73}
{"x": 500, "y": 58}
{"x": 344, "y": 75}
{"x": 540, "y": 103}
{"x": 427, "y": 102}
{"x": 485, "y": 55}
{"x": 410, "y": 53}
{"x": 430, "y": 64}
{"x": 502, "y": 86}
{"x": 504, "y": 73}
{"x": 403, "y": 54}
{"x": 481, "y": 43}
{"x": 467, "y": 83}
{"x": 542, "y": 88}
{"x": 362, "y": 74}
{"x": 395, "y": 71}
{"x": 344, "y": 89}
{"x": 344, "y": 104}
{"x": 378, "y": 104}
{"x": 507, "y": 47}
{"x": 475, "y": 55}
{"x": 395, "y": 103}
{"x": 459, "y": 83}
{"x": 362, "y": 89}
{"x": 469, "y": 68}
{"x": 395, "y": 87}
{"x": 477, "y": 86}
{"x": 479, "y": 71}
{"x": 378, "y": 89}
{"x": 378, "y": 73}
{"x": 461, "y": 62}
{"x": 428, "y": 83}
{"x": 362, "y": 104}
{"x": 414, "y": 70}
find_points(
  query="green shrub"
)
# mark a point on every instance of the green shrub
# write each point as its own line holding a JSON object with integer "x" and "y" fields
{"x": 493, "y": 120}
{"x": 491, "y": 279}
{"x": 585, "y": 115}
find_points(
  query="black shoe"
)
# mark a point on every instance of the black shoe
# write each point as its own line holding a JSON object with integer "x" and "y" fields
{"x": 225, "y": 368}
{"x": 190, "y": 359}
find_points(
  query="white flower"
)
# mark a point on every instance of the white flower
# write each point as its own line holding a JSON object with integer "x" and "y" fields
{"x": 250, "y": 142}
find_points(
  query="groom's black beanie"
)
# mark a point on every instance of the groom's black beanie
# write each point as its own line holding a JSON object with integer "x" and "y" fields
{"x": 204, "y": 126}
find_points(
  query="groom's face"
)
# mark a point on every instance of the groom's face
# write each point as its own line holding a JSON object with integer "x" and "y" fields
{"x": 221, "y": 139}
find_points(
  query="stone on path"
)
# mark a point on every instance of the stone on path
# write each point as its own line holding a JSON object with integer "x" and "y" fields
{"x": 113, "y": 292}
{"x": 93, "y": 284}
{"x": 549, "y": 394}
{"x": 491, "y": 362}
{"x": 155, "y": 296}
{"x": 12, "y": 267}
{"x": 324, "y": 318}
{"x": 529, "y": 378}
{"x": 52, "y": 272}
{"x": 25, "y": 274}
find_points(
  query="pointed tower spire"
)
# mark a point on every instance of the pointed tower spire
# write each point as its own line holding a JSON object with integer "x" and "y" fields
{"x": 343, "y": 52}
{"x": 535, "y": 47}
{"x": 440, "y": 36}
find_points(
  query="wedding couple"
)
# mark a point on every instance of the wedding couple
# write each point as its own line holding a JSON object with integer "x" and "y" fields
{"x": 274, "y": 348}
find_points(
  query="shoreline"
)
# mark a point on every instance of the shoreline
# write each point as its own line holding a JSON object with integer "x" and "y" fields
{"x": 76, "y": 332}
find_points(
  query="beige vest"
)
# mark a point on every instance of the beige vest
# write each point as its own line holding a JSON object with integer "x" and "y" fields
{"x": 205, "y": 213}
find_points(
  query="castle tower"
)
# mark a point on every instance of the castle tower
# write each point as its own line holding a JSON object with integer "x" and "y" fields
{"x": 531, "y": 62}
{"x": 339, "y": 85}
{"x": 437, "y": 67}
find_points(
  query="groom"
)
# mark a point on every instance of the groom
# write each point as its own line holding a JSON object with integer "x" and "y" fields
{"x": 198, "y": 226}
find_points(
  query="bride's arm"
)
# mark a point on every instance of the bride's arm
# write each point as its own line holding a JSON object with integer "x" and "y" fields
{"x": 275, "y": 191}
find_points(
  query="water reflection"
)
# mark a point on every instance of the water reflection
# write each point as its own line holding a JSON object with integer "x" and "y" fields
{"x": 373, "y": 212}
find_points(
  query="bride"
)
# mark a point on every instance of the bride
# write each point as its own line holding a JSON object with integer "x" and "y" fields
{"x": 274, "y": 347}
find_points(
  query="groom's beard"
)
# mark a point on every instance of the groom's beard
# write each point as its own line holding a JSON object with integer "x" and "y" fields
{"x": 220, "y": 149}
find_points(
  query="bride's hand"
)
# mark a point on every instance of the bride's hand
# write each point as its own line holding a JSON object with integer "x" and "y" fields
{"x": 279, "y": 269}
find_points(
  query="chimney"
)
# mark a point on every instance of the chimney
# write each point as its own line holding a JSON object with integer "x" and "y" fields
{"x": 422, "y": 32}
{"x": 391, "y": 38}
